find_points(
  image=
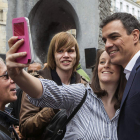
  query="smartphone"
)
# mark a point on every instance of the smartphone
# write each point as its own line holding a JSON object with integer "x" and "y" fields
{"x": 21, "y": 28}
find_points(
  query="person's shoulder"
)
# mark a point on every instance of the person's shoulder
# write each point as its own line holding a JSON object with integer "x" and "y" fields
{"x": 80, "y": 79}
{"x": 83, "y": 74}
{"x": 84, "y": 81}
{"x": 45, "y": 73}
{"x": 8, "y": 117}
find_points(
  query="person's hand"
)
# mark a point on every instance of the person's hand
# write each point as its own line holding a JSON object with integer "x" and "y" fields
{"x": 14, "y": 68}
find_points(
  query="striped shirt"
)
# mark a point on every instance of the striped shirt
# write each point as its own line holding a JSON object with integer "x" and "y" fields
{"x": 91, "y": 122}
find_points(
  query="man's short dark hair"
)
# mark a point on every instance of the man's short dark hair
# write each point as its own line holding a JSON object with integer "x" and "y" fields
{"x": 129, "y": 21}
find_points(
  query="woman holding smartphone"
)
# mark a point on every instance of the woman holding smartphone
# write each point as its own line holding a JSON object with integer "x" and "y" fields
{"x": 98, "y": 116}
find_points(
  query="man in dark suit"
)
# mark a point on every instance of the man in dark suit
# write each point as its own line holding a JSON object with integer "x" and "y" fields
{"x": 121, "y": 35}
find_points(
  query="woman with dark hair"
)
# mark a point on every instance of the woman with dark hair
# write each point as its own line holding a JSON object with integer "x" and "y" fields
{"x": 96, "y": 80}
{"x": 98, "y": 116}
{"x": 106, "y": 86}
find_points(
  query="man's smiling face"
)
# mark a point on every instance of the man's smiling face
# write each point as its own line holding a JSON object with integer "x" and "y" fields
{"x": 65, "y": 59}
{"x": 118, "y": 44}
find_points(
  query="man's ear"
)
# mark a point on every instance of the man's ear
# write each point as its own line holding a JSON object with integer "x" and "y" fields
{"x": 136, "y": 34}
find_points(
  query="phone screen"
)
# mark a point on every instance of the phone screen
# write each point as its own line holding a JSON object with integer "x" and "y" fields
{"x": 19, "y": 29}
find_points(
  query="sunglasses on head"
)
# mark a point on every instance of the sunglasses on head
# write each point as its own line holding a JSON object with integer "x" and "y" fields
{"x": 6, "y": 76}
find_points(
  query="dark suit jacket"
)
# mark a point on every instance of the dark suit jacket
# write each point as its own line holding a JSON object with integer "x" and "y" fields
{"x": 129, "y": 120}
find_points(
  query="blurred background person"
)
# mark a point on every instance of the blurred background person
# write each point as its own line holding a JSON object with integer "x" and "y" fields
{"x": 34, "y": 68}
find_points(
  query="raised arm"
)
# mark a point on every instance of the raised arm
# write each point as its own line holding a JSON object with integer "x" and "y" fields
{"x": 25, "y": 81}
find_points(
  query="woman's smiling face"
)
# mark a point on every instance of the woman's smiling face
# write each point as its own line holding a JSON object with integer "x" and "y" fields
{"x": 107, "y": 72}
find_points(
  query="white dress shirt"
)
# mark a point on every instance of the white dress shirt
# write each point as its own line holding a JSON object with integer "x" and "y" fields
{"x": 131, "y": 64}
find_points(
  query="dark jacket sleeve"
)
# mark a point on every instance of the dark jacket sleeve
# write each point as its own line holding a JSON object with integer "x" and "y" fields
{"x": 33, "y": 120}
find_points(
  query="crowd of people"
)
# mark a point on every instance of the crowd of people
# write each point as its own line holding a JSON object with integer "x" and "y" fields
{"x": 111, "y": 107}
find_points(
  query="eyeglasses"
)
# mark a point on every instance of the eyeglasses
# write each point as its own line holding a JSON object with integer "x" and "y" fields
{"x": 6, "y": 76}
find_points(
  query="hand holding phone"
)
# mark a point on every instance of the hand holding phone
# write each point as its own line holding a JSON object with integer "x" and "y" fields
{"x": 21, "y": 28}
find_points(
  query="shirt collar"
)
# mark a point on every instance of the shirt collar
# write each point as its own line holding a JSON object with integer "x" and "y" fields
{"x": 131, "y": 64}
{"x": 57, "y": 79}
{"x": 8, "y": 110}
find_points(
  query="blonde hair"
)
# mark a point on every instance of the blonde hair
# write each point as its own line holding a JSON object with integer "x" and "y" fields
{"x": 60, "y": 41}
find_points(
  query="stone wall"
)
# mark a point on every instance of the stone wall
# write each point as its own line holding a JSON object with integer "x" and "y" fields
{"x": 104, "y": 10}
{"x": 3, "y": 13}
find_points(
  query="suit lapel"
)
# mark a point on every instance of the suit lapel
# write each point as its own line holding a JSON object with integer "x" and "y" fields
{"x": 130, "y": 81}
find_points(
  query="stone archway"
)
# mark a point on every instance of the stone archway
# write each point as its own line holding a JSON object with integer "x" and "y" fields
{"x": 47, "y": 18}
{"x": 82, "y": 15}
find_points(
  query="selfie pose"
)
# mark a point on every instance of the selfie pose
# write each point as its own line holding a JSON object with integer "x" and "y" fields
{"x": 34, "y": 120}
{"x": 98, "y": 116}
